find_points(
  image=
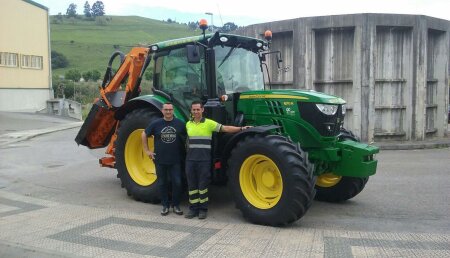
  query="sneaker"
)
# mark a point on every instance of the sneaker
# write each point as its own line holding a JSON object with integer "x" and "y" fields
{"x": 202, "y": 215}
{"x": 164, "y": 211}
{"x": 177, "y": 210}
{"x": 191, "y": 214}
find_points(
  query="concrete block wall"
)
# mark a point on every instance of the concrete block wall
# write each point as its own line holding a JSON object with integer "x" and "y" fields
{"x": 64, "y": 107}
{"x": 391, "y": 69}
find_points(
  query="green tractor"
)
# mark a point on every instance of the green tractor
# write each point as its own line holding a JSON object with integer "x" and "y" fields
{"x": 296, "y": 151}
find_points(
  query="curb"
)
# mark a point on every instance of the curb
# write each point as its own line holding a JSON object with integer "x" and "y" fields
{"x": 413, "y": 145}
{"x": 15, "y": 137}
{"x": 417, "y": 145}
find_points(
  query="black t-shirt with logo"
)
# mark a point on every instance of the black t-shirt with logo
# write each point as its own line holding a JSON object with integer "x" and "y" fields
{"x": 169, "y": 137}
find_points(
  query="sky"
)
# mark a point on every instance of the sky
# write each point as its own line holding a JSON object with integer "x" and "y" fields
{"x": 243, "y": 12}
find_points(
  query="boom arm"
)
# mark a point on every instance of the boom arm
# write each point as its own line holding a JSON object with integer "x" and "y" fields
{"x": 131, "y": 68}
{"x": 99, "y": 128}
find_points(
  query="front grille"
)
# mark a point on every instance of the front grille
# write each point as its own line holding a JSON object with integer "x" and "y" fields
{"x": 326, "y": 125}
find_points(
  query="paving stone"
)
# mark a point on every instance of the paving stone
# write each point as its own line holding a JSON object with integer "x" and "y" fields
{"x": 94, "y": 232}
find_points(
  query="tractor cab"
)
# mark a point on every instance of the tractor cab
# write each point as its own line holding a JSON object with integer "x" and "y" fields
{"x": 216, "y": 66}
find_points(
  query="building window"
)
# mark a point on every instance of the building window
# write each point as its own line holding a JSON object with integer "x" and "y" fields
{"x": 8, "y": 59}
{"x": 33, "y": 62}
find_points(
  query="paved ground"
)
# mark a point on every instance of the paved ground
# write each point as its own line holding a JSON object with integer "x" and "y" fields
{"x": 16, "y": 127}
{"x": 56, "y": 202}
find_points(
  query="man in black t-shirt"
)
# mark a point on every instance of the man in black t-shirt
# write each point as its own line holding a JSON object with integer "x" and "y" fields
{"x": 169, "y": 133}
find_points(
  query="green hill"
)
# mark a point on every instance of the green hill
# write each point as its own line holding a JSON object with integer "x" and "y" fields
{"x": 88, "y": 45}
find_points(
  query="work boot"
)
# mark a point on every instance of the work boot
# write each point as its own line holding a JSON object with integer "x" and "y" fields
{"x": 202, "y": 215}
{"x": 164, "y": 211}
{"x": 177, "y": 210}
{"x": 191, "y": 214}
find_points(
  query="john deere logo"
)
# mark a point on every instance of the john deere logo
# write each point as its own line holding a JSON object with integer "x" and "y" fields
{"x": 168, "y": 134}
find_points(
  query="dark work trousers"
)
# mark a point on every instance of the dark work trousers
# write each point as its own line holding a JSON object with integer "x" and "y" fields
{"x": 198, "y": 176}
{"x": 163, "y": 172}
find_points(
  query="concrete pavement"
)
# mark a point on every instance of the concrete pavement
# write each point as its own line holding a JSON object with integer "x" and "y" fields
{"x": 52, "y": 229}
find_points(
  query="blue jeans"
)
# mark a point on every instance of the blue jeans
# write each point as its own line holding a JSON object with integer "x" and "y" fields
{"x": 163, "y": 172}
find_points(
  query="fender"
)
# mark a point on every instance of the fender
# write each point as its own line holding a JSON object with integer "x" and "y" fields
{"x": 148, "y": 101}
{"x": 262, "y": 129}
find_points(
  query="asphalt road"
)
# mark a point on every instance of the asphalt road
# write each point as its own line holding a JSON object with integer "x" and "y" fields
{"x": 407, "y": 197}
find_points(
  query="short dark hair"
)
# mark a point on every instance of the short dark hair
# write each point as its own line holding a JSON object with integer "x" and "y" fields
{"x": 195, "y": 102}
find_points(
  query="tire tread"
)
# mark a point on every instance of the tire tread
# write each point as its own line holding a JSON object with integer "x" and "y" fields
{"x": 301, "y": 180}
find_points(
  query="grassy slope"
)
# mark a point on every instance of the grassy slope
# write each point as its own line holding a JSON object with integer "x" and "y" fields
{"x": 93, "y": 44}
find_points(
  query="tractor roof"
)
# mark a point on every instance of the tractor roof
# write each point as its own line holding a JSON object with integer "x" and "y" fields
{"x": 232, "y": 40}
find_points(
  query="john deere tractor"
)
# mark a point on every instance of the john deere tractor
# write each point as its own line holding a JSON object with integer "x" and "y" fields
{"x": 297, "y": 149}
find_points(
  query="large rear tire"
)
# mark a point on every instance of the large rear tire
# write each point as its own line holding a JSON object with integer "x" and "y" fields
{"x": 271, "y": 180}
{"x": 334, "y": 188}
{"x": 135, "y": 169}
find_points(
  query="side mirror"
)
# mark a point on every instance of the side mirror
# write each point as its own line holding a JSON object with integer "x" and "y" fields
{"x": 193, "y": 54}
{"x": 279, "y": 60}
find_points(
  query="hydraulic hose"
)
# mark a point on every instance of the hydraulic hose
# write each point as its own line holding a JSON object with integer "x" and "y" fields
{"x": 108, "y": 75}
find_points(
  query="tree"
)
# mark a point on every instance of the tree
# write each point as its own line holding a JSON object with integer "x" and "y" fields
{"x": 72, "y": 10}
{"x": 87, "y": 10}
{"x": 95, "y": 75}
{"x": 58, "y": 60}
{"x": 98, "y": 9}
{"x": 87, "y": 76}
{"x": 59, "y": 18}
{"x": 229, "y": 26}
{"x": 73, "y": 75}
{"x": 193, "y": 25}
{"x": 149, "y": 75}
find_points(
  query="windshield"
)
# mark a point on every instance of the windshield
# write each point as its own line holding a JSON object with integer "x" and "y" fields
{"x": 237, "y": 70}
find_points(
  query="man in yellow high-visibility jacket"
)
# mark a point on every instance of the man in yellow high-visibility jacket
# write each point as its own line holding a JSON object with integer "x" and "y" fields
{"x": 198, "y": 158}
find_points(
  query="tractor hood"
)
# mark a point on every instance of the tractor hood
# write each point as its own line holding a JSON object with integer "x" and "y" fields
{"x": 300, "y": 95}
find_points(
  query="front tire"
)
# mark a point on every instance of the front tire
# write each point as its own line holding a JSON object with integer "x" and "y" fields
{"x": 334, "y": 188}
{"x": 135, "y": 169}
{"x": 271, "y": 180}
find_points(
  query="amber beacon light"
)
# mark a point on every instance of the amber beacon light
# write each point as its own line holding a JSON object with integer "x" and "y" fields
{"x": 203, "y": 24}
{"x": 268, "y": 35}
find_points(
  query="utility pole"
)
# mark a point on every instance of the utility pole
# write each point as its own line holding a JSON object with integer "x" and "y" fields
{"x": 212, "y": 21}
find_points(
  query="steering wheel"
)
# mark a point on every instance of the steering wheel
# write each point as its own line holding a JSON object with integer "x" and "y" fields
{"x": 241, "y": 89}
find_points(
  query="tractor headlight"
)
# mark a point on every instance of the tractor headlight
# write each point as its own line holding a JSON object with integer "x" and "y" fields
{"x": 327, "y": 109}
{"x": 223, "y": 39}
{"x": 344, "y": 109}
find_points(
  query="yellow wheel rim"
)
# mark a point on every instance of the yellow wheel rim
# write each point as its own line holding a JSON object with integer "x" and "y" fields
{"x": 261, "y": 181}
{"x": 328, "y": 180}
{"x": 140, "y": 167}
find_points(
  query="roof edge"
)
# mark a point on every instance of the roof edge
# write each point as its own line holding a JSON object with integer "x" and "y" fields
{"x": 36, "y": 4}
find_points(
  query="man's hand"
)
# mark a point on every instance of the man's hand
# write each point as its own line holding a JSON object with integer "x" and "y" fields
{"x": 150, "y": 154}
{"x": 147, "y": 151}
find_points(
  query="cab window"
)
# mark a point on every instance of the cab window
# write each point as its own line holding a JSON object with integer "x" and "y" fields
{"x": 183, "y": 81}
